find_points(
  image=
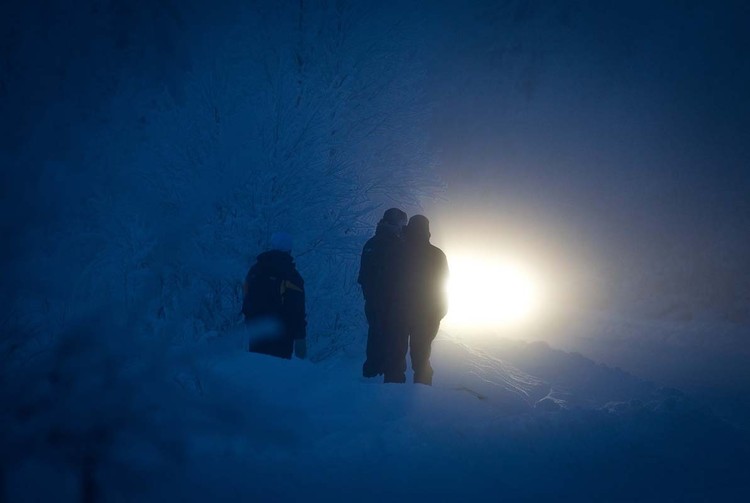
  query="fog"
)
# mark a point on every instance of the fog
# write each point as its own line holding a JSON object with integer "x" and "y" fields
{"x": 584, "y": 165}
{"x": 610, "y": 139}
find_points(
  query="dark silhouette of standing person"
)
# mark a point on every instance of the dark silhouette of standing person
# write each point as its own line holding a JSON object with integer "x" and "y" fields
{"x": 380, "y": 277}
{"x": 274, "y": 292}
{"x": 426, "y": 274}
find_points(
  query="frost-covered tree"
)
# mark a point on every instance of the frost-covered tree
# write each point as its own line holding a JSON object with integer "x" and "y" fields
{"x": 149, "y": 150}
{"x": 295, "y": 123}
{"x": 300, "y": 116}
{"x": 142, "y": 204}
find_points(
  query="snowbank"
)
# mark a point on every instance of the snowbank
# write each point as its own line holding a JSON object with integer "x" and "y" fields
{"x": 522, "y": 422}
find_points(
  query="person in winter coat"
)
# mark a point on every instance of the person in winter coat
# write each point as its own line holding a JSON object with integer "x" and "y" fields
{"x": 380, "y": 277}
{"x": 426, "y": 276}
{"x": 274, "y": 292}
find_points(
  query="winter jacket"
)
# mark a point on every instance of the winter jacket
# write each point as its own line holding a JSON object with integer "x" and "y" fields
{"x": 381, "y": 268}
{"x": 274, "y": 288}
{"x": 426, "y": 274}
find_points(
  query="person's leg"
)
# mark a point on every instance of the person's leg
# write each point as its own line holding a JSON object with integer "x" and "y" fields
{"x": 422, "y": 336}
{"x": 395, "y": 352}
{"x": 278, "y": 347}
{"x": 375, "y": 357}
{"x": 373, "y": 365}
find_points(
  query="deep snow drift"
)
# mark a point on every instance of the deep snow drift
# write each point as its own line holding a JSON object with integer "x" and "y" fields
{"x": 705, "y": 358}
{"x": 513, "y": 420}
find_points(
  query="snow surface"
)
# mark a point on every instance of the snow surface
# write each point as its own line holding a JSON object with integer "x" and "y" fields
{"x": 704, "y": 358}
{"x": 511, "y": 420}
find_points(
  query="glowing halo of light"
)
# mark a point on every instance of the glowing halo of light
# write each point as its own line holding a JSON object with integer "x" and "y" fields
{"x": 490, "y": 293}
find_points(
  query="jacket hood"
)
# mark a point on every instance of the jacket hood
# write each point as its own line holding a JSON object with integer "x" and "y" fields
{"x": 418, "y": 230}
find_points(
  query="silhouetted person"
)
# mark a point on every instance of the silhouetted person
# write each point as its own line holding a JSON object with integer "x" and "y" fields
{"x": 380, "y": 277}
{"x": 426, "y": 274}
{"x": 275, "y": 292}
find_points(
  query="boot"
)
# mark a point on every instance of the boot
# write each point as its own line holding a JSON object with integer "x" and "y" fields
{"x": 395, "y": 377}
{"x": 370, "y": 369}
{"x": 423, "y": 376}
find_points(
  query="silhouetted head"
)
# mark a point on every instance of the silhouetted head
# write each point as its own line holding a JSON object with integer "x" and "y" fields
{"x": 394, "y": 216}
{"x": 281, "y": 241}
{"x": 418, "y": 228}
{"x": 393, "y": 221}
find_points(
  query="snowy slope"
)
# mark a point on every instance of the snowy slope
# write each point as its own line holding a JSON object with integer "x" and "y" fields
{"x": 706, "y": 358}
{"x": 508, "y": 420}
{"x": 483, "y": 429}
{"x": 518, "y": 421}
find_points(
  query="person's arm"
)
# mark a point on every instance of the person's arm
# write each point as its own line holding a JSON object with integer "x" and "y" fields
{"x": 246, "y": 301}
{"x": 300, "y": 348}
{"x": 294, "y": 302}
{"x": 300, "y": 342}
{"x": 444, "y": 274}
{"x": 366, "y": 269}
{"x": 369, "y": 270}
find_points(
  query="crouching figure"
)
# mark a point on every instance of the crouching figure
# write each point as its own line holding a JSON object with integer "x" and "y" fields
{"x": 274, "y": 302}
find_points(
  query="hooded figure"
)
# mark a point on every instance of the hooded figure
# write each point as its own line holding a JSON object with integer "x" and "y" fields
{"x": 426, "y": 298}
{"x": 275, "y": 293}
{"x": 380, "y": 275}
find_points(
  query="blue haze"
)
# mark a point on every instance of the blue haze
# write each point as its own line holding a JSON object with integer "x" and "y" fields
{"x": 148, "y": 149}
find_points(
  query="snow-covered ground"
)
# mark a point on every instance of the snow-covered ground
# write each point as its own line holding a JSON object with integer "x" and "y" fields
{"x": 705, "y": 358}
{"x": 504, "y": 420}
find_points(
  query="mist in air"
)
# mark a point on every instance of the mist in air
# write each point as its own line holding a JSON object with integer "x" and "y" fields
{"x": 584, "y": 166}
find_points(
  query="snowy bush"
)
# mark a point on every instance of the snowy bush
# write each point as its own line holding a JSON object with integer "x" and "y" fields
{"x": 149, "y": 152}
{"x": 300, "y": 117}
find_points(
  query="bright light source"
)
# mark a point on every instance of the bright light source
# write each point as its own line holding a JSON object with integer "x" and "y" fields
{"x": 489, "y": 292}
